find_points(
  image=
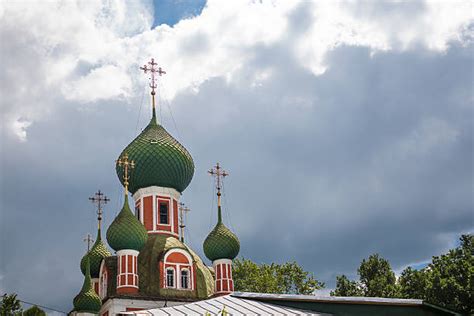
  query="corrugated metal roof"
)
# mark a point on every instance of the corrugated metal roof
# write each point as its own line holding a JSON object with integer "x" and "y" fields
{"x": 329, "y": 299}
{"x": 232, "y": 305}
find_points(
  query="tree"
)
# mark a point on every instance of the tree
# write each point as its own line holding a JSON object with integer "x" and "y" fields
{"x": 448, "y": 281}
{"x": 377, "y": 277}
{"x": 451, "y": 278}
{"x": 289, "y": 278}
{"x": 10, "y": 305}
{"x": 346, "y": 287}
{"x": 413, "y": 283}
{"x": 34, "y": 311}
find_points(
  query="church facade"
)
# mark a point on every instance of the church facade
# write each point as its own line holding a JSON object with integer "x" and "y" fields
{"x": 151, "y": 264}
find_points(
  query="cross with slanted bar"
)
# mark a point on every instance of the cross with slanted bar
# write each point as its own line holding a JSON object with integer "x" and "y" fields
{"x": 151, "y": 68}
{"x": 89, "y": 241}
{"x": 126, "y": 164}
{"x": 182, "y": 209}
{"x": 100, "y": 199}
{"x": 219, "y": 174}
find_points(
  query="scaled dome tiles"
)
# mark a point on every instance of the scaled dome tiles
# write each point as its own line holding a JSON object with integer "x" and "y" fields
{"x": 160, "y": 160}
{"x": 221, "y": 243}
{"x": 96, "y": 254}
{"x": 126, "y": 231}
{"x": 87, "y": 301}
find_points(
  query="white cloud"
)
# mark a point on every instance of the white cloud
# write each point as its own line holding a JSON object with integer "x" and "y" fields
{"x": 87, "y": 51}
{"x": 106, "y": 82}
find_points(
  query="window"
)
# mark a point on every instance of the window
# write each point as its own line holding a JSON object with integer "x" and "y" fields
{"x": 184, "y": 279}
{"x": 137, "y": 211}
{"x": 170, "y": 277}
{"x": 163, "y": 213}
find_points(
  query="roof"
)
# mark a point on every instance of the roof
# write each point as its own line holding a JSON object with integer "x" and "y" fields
{"x": 232, "y": 305}
{"x": 330, "y": 299}
{"x": 160, "y": 160}
{"x": 126, "y": 231}
{"x": 221, "y": 243}
{"x": 350, "y": 305}
{"x": 154, "y": 250}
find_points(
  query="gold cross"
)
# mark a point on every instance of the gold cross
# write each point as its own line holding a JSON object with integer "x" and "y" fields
{"x": 219, "y": 174}
{"x": 126, "y": 164}
{"x": 151, "y": 68}
{"x": 89, "y": 241}
{"x": 99, "y": 198}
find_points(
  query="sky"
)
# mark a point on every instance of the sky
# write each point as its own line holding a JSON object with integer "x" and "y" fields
{"x": 347, "y": 128}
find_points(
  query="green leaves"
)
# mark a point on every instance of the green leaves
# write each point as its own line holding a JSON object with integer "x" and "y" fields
{"x": 346, "y": 287}
{"x": 448, "y": 281}
{"x": 289, "y": 278}
{"x": 34, "y": 311}
{"x": 10, "y": 305}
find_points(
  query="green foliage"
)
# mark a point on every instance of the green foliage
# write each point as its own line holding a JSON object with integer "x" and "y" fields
{"x": 346, "y": 287}
{"x": 377, "y": 277}
{"x": 448, "y": 281}
{"x": 289, "y": 278}
{"x": 34, "y": 311}
{"x": 451, "y": 278}
{"x": 10, "y": 305}
{"x": 413, "y": 283}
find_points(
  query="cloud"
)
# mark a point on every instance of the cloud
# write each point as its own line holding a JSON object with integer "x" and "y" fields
{"x": 346, "y": 128}
{"x": 92, "y": 54}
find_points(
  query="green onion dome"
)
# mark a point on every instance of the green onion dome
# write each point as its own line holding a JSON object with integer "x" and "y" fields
{"x": 160, "y": 160}
{"x": 96, "y": 254}
{"x": 221, "y": 243}
{"x": 87, "y": 300}
{"x": 126, "y": 231}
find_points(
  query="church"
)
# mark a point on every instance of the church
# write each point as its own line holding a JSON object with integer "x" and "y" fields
{"x": 152, "y": 264}
{"x": 154, "y": 272}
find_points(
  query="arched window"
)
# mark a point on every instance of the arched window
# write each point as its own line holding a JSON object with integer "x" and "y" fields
{"x": 103, "y": 285}
{"x": 184, "y": 278}
{"x": 170, "y": 277}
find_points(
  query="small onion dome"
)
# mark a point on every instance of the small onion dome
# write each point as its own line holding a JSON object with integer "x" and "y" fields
{"x": 87, "y": 301}
{"x": 96, "y": 254}
{"x": 126, "y": 231}
{"x": 160, "y": 160}
{"x": 221, "y": 243}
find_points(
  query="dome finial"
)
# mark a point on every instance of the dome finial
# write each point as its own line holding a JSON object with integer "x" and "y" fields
{"x": 150, "y": 68}
{"x": 87, "y": 301}
{"x": 126, "y": 164}
{"x": 100, "y": 199}
{"x": 219, "y": 174}
{"x": 221, "y": 243}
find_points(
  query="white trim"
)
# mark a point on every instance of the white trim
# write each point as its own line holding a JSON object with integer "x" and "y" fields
{"x": 221, "y": 261}
{"x": 127, "y": 252}
{"x": 155, "y": 220}
{"x": 174, "y": 286}
{"x": 155, "y": 190}
{"x": 169, "y": 202}
{"x": 182, "y": 251}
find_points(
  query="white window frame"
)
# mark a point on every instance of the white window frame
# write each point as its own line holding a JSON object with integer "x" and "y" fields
{"x": 174, "y": 277}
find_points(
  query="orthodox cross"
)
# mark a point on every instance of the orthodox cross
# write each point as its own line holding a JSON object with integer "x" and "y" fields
{"x": 100, "y": 199}
{"x": 182, "y": 210}
{"x": 89, "y": 241}
{"x": 151, "y": 68}
{"x": 219, "y": 174}
{"x": 126, "y": 164}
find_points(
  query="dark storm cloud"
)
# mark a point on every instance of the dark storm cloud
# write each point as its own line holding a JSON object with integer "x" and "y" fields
{"x": 374, "y": 155}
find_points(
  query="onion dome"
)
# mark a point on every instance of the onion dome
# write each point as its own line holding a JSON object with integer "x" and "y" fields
{"x": 87, "y": 300}
{"x": 221, "y": 243}
{"x": 96, "y": 254}
{"x": 160, "y": 160}
{"x": 126, "y": 231}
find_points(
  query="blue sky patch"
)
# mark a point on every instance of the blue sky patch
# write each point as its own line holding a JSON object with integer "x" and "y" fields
{"x": 172, "y": 11}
